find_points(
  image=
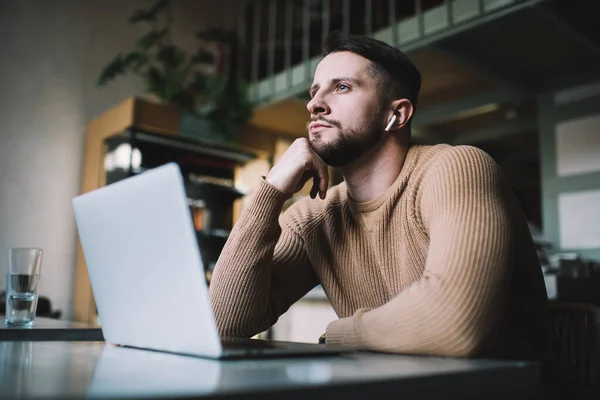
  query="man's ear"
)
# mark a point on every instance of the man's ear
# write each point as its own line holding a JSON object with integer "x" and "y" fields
{"x": 403, "y": 109}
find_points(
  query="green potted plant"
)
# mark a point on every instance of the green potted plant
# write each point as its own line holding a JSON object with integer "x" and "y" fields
{"x": 188, "y": 81}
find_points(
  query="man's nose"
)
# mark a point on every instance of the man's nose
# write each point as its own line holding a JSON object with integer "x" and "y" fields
{"x": 317, "y": 106}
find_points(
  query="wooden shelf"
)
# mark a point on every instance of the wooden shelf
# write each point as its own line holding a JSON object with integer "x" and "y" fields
{"x": 199, "y": 146}
{"x": 212, "y": 193}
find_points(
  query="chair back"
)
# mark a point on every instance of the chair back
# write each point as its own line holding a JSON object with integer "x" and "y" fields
{"x": 576, "y": 340}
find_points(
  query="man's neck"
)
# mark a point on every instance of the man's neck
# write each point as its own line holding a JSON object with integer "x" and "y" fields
{"x": 371, "y": 175}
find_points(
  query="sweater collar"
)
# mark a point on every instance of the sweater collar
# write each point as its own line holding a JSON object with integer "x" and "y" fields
{"x": 398, "y": 185}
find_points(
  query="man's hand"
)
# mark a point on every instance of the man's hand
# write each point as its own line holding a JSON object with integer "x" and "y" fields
{"x": 297, "y": 165}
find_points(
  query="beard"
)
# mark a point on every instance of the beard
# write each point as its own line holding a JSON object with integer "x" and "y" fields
{"x": 349, "y": 144}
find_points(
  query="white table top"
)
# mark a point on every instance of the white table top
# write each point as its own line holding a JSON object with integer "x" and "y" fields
{"x": 95, "y": 369}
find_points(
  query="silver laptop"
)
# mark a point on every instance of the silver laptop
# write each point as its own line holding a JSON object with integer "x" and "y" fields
{"x": 147, "y": 275}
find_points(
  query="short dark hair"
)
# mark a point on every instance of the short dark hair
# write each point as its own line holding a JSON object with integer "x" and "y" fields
{"x": 398, "y": 75}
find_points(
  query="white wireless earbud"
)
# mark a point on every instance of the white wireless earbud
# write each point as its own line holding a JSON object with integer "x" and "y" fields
{"x": 387, "y": 128}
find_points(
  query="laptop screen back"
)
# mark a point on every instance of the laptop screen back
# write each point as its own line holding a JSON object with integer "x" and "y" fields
{"x": 144, "y": 264}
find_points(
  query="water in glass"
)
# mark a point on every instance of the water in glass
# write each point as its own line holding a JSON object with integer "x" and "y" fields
{"x": 21, "y": 299}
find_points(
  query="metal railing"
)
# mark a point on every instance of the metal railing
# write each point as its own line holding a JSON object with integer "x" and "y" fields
{"x": 281, "y": 40}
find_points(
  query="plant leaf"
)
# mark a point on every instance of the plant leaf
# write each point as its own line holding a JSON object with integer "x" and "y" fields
{"x": 208, "y": 87}
{"x": 171, "y": 57}
{"x": 139, "y": 62}
{"x": 135, "y": 60}
{"x": 114, "y": 68}
{"x": 215, "y": 85}
{"x": 198, "y": 84}
{"x": 155, "y": 83}
{"x": 140, "y": 16}
{"x": 172, "y": 84}
{"x": 241, "y": 103}
{"x": 150, "y": 14}
{"x": 150, "y": 39}
{"x": 159, "y": 6}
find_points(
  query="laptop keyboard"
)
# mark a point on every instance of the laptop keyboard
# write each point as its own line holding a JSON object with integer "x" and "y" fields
{"x": 244, "y": 343}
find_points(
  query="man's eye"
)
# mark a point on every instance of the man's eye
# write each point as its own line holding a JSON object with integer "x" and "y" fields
{"x": 342, "y": 86}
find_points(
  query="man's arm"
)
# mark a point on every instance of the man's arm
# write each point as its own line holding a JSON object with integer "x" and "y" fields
{"x": 466, "y": 212}
{"x": 263, "y": 268}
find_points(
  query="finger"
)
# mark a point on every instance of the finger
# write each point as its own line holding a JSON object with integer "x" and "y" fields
{"x": 322, "y": 179}
{"x": 315, "y": 187}
{"x": 322, "y": 172}
{"x": 324, "y": 182}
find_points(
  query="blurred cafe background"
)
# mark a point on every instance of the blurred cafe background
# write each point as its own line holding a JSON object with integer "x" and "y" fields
{"x": 94, "y": 91}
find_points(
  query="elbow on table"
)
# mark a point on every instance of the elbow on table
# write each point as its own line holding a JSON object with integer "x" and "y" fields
{"x": 466, "y": 344}
{"x": 236, "y": 329}
{"x": 464, "y": 349}
{"x": 442, "y": 340}
{"x": 466, "y": 335}
{"x": 437, "y": 341}
{"x": 240, "y": 324}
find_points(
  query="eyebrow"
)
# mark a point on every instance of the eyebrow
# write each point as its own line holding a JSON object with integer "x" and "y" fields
{"x": 355, "y": 81}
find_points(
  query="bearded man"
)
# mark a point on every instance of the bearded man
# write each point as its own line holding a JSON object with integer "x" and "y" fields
{"x": 421, "y": 250}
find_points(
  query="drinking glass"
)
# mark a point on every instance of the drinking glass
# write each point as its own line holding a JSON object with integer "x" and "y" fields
{"x": 22, "y": 280}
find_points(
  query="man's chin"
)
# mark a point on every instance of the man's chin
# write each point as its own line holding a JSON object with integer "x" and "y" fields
{"x": 315, "y": 138}
{"x": 319, "y": 147}
{"x": 329, "y": 156}
{"x": 317, "y": 142}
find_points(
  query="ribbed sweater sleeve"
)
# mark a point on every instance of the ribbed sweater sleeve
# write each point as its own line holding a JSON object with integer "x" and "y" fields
{"x": 463, "y": 208}
{"x": 262, "y": 270}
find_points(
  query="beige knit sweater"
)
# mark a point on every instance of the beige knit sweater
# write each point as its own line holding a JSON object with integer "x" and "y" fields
{"x": 443, "y": 265}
